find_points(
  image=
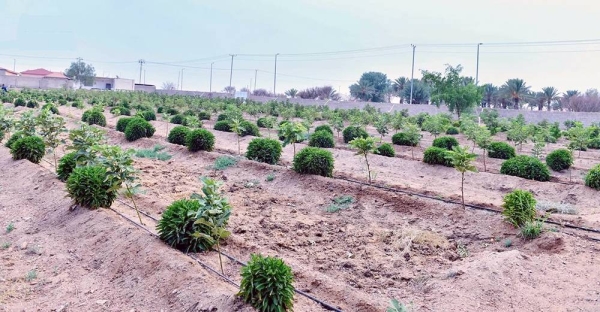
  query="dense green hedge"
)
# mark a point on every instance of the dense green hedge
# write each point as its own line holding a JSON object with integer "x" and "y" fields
{"x": 559, "y": 159}
{"x": 445, "y": 142}
{"x": 385, "y": 149}
{"x": 200, "y": 140}
{"x": 314, "y": 160}
{"x": 178, "y": 134}
{"x": 322, "y": 139}
{"x": 437, "y": 156}
{"x": 353, "y": 132}
{"x": 138, "y": 128}
{"x": 264, "y": 150}
{"x": 526, "y": 167}
{"x": 501, "y": 150}
{"x": 402, "y": 138}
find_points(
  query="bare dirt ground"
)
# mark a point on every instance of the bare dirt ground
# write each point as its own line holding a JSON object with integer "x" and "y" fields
{"x": 385, "y": 245}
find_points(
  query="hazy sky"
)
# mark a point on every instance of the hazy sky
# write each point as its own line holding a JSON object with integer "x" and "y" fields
{"x": 112, "y": 35}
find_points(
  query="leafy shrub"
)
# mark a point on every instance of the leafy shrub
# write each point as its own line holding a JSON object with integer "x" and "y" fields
{"x": 264, "y": 150}
{"x": 14, "y": 138}
{"x": 51, "y": 108}
{"x": 66, "y": 165}
{"x": 138, "y": 128}
{"x": 62, "y": 102}
{"x": 313, "y": 160}
{"x": 526, "y": 167}
{"x": 267, "y": 284}
{"x": 594, "y": 143}
{"x": 171, "y": 111}
{"x": 532, "y": 229}
{"x": 200, "y": 140}
{"x": 222, "y": 117}
{"x": 123, "y": 111}
{"x": 445, "y": 142}
{"x": 501, "y": 150}
{"x": 519, "y": 207}
{"x": 33, "y": 104}
{"x": 353, "y": 132}
{"x": 385, "y": 149}
{"x": 222, "y": 125}
{"x": 577, "y": 147}
{"x": 402, "y": 138}
{"x": 89, "y": 187}
{"x": 178, "y": 134}
{"x": 122, "y": 123}
{"x": 452, "y": 131}
{"x": 178, "y": 119}
{"x": 321, "y": 138}
{"x": 559, "y": 159}
{"x": 20, "y": 102}
{"x": 189, "y": 112}
{"x": 94, "y": 117}
{"x": 31, "y": 148}
{"x": 176, "y": 227}
{"x": 592, "y": 178}
{"x": 261, "y": 122}
{"x": 249, "y": 129}
{"x": 147, "y": 115}
{"x": 204, "y": 115}
{"x": 224, "y": 162}
{"x": 437, "y": 156}
{"x": 324, "y": 128}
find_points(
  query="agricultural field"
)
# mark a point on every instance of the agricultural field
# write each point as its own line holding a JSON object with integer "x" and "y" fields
{"x": 357, "y": 210}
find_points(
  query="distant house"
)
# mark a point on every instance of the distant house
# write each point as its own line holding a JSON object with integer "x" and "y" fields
{"x": 35, "y": 79}
{"x": 145, "y": 87}
{"x": 106, "y": 83}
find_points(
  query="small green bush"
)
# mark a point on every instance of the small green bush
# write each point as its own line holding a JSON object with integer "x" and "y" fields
{"x": 267, "y": 284}
{"x": 313, "y": 160}
{"x": 437, "y": 156}
{"x": 224, "y": 162}
{"x": 385, "y": 149}
{"x": 322, "y": 139}
{"x": 401, "y": 138}
{"x": 353, "y": 132}
{"x": 89, "y": 187}
{"x": 445, "y": 142}
{"x": 222, "y": 125}
{"x": 592, "y": 178}
{"x": 261, "y": 122}
{"x": 62, "y": 102}
{"x": 14, "y": 138}
{"x": 123, "y": 111}
{"x": 560, "y": 159}
{"x": 66, "y": 165}
{"x": 519, "y": 207}
{"x": 171, "y": 111}
{"x": 501, "y": 150}
{"x": 178, "y": 135}
{"x": 204, "y": 115}
{"x": 147, "y": 115}
{"x": 264, "y": 150}
{"x": 189, "y": 112}
{"x": 200, "y": 140}
{"x": 94, "y": 117}
{"x": 222, "y": 117}
{"x": 526, "y": 167}
{"x": 51, "y": 108}
{"x": 249, "y": 129}
{"x": 324, "y": 128}
{"x": 122, "y": 123}
{"x": 452, "y": 131}
{"x": 178, "y": 119}
{"x": 138, "y": 128}
{"x": 33, "y": 104}
{"x": 532, "y": 229}
{"x": 577, "y": 147}
{"x": 176, "y": 227}
{"x": 31, "y": 148}
{"x": 20, "y": 102}
{"x": 594, "y": 143}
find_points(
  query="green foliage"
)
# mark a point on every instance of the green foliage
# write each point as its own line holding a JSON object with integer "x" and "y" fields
{"x": 138, "y": 128}
{"x": 27, "y": 123}
{"x": 153, "y": 153}
{"x": 490, "y": 118}
{"x": 452, "y": 131}
{"x": 120, "y": 110}
{"x": 224, "y": 162}
{"x": 518, "y": 133}
{"x": 178, "y": 135}
{"x": 402, "y": 138}
{"x": 249, "y": 129}
{"x": 33, "y": 104}
{"x": 66, "y": 165}
{"x": 178, "y": 119}
{"x": 353, "y": 132}
{"x": 14, "y": 138}
{"x": 519, "y": 207}
{"x": 83, "y": 141}
{"x": 436, "y": 124}
{"x": 364, "y": 146}
{"x": 321, "y": 138}
{"x": 313, "y": 160}
{"x": 192, "y": 122}
{"x": 267, "y": 284}
{"x": 176, "y": 227}
{"x": 459, "y": 93}
{"x": 501, "y": 150}
{"x": 371, "y": 87}
{"x": 445, "y": 142}
{"x": 339, "y": 203}
{"x": 223, "y": 125}
{"x": 200, "y": 140}
{"x": 592, "y": 178}
{"x": 122, "y": 123}
{"x": 31, "y": 148}
{"x": 20, "y": 102}
{"x": 559, "y": 159}
{"x": 147, "y": 115}
{"x": 324, "y": 128}
{"x": 461, "y": 159}
{"x": 50, "y": 128}
{"x": 594, "y": 143}
{"x": 293, "y": 132}
{"x": 532, "y": 229}
{"x": 579, "y": 137}
{"x": 264, "y": 150}
{"x": 396, "y": 306}
{"x": 204, "y": 115}
{"x": 94, "y": 116}
{"x": 261, "y": 122}
{"x": 89, "y": 187}
{"x": 50, "y": 107}
{"x": 526, "y": 167}
{"x": 385, "y": 149}
{"x": 437, "y": 156}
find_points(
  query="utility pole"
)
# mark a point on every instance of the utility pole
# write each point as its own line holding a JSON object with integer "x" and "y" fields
{"x": 412, "y": 74}
{"x": 477, "y": 72}
{"x": 15, "y": 65}
{"x": 275, "y": 76}
{"x": 231, "y": 70}
{"x": 182, "y": 79}
{"x": 144, "y": 76}
{"x": 141, "y": 61}
{"x": 255, "y": 75}
{"x": 210, "y": 85}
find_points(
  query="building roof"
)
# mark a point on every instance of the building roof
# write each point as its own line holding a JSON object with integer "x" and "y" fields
{"x": 9, "y": 71}
{"x": 36, "y": 72}
{"x": 56, "y": 75}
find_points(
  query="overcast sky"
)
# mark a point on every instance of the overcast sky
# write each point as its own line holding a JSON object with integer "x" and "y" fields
{"x": 124, "y": 31}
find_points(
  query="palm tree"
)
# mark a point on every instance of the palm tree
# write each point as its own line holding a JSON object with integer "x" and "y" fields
{"x": 539, "y": 99}
{"x": 550, "y": 94}
{"x": 566, "y": 98}
{"x": 398, "y": 86}
{"x": 291, "y": 92}
{"x": 489, "y": 94}
{"x": 363, "y": 90}
{"x": 517, "y": 89}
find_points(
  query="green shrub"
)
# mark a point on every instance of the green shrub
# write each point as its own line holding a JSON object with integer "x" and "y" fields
{"x": 178, "y": 119}
{"x": 123, "y": 111}
{"x": 13, "y": 138}
{"x": 31, "y": 148}
{"x": 560, "y": 159}
{"x": 204, "y": 115}
{"x": 147, "y": 115}
{"x": 437, "y": 156}
{"x": 402, "y": 138}
{"x": 452, "y": 131}
{"x": 176, "y": 227}
{"x": 122, "y": 123}
{"x": 189, "y": 112}
{"x": 385, "y": 149}
{"x": 249, "y": 129}
{"x": 519, "y": 207}
{"x": 66, "y": 165}
{"x": 94, "y": 117}
{"x": 592, "y": 178}
{"x": 267, "y": 284}
{"x": 532, "y": 229}
{"x": 445, "y": 142}
{"x": 526, "y": 167}
{"x": 62, "y": 102}
{"x": 51, "y": 108}
{"x": 264, "y": 150}
{"x": 324, "y": 128}
{"x": 594, "y": 143}
{"x": 178, "y": 134}
{"x": 20, "y": 102}
{"x": 200, "y": 140}
{"x": 261, "y": 122}
{"x": 171, "y": 111}
{"x": 353, "y": 132}
{"x": 321, "y": 138}
{"x": 313, "y": 160}
{"x": 222, "y": 125}
{"x": 577, "y": 147}
{"x": 89, "y": 187}
{"x": 222, "y": 117}
{"x": 501, "y": 150}
{"x": 138, "y": 128}
{"x": 33, "y": 104}
{"x": 224, "y": 162}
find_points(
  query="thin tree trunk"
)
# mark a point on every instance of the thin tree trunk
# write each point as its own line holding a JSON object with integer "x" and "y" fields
{"x": 484, "y": 168}
{"x": 134, "y": 204}
{"x": 368, "y": 168}
{"x": 238, "y": 141}
{"x": 462, "y": 189}
{"x": 54, "y": 153}
{"x": 219, "y": 250}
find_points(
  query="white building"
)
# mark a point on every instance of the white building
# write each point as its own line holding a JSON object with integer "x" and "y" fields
{"x": 106, "y": 83}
